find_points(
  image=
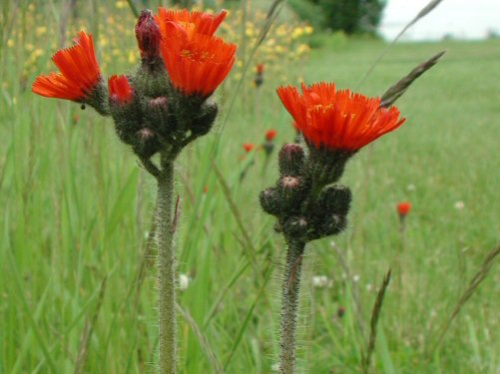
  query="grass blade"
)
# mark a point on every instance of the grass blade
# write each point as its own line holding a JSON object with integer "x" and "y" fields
{"x": 27, "y": 311}
{"x": 216, "y": 366}
{"x": 88, "y": 330}
{"x": 473, "y": 286}
{"x": 247, "y": 319}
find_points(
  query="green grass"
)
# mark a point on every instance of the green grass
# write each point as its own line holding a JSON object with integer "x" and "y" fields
{"x": 76, "y": 207}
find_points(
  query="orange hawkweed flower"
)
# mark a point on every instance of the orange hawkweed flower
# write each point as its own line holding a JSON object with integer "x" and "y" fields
{"x": 404, "y": 208}
{"x": 270, "y": 135}
{"x": 120, "y": 90}
{"x": 337, "y": 120}
{"x": 193, "y": 22}
{"x": 248, "y": 147}
{"x": 196, "y": 63}
{"x": 79, "y": 74}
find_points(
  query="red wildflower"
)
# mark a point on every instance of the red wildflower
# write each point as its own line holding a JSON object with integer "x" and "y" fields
{"x": 338, "y": 119}
{"x": 79, "y": 72}
{"x": 260, "y": 68}
{"x": 248, "y": 147}
{"x": 197, "y": 22}
{"x": 270, "y": 135}
{"x": 196, "y": 63}
{"x": 404, "y": 208}
{"x": 120, "y": 90}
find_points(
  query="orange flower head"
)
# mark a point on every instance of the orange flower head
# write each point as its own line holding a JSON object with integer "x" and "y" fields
{"x": 248, "y": 147}
{"x": 337, "y": 120}
{"x": 120, "y": 91}
{"x": 404, "y": 208}
{"x": 193, "y": 22}
{"x": 148, "y": 35}
{"x": 196, "y": 63}
{"x": 79, "y": 72}
{"x": 260, "y": 68}
{"x": 270, "y": 135}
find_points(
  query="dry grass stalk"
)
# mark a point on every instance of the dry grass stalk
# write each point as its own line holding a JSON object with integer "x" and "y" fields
{"x": 83, "y": 351}
{"x": 398, "y": 89}
{"x": 216, "y": 365}
{"x": 473, "y": 286}
{"x": 377, "y": 310}
{"x": 425, "y": 11}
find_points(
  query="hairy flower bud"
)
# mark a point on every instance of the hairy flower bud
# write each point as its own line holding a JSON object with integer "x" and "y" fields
{"x": 297, "y": 228}
{"x": 291, "y": 159}
{"x": 332, "y": 225}
{"x": 270, "y": 201}
{"x": 124, "y": 108}
{"x": 335, "y": 200}
{"x": 292, "y": 192}
{"x": 202, "y": 124}
{"x": 156, "y": 112}
{"x": 146, "y": 143}
{"x": 148, "y": 36}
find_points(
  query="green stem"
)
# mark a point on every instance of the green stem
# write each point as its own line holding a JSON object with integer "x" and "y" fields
{"x": 289, "y": 306}
{"x": 166, "y": 268}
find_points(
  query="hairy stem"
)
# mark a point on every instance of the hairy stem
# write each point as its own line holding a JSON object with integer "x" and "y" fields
{"x": 166, "y": 268}
{"x": 289, "y": 306}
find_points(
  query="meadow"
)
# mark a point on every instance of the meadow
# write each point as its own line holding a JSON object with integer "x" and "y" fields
{"x": 77, "y": 275}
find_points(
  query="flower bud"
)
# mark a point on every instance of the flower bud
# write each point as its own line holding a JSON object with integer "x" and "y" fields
{"x": 203, "y": 124}
{"x": 291, "y": 159}
{"x": 293, "y": 191}
{"x": 332, "y": 225}
{"x": 148, "y": 36}
{"x": 268, "y": 148}
{"x": 124, "y": 108}
{"x": 146, "y": 143}
{"x": 297, "y": 228}
{"x": 156, "y": 111}
{"x": 259, "y": 77}
{"x": 270, "y": 201}
{"x": 334, "y": 200}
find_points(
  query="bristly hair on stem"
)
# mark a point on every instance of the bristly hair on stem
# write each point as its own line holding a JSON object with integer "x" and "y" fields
{"x": 289, "y": 306}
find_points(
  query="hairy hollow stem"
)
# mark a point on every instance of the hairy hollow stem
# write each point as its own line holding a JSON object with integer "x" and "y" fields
{"x": 166, "y": 268}
{"x": 289, "y": 306}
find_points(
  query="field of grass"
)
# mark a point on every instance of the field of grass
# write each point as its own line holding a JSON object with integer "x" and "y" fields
{"x": 77, "y": 208}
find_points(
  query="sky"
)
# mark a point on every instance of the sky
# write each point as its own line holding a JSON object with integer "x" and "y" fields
{"x": 462, "y": 19}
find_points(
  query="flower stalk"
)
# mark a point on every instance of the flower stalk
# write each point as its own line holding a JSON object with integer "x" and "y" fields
{"x": 165, "y": 223}
{"x": 290, "y": 295}
{"x": 307, "y": 200}
{"x": 157, "y": 111}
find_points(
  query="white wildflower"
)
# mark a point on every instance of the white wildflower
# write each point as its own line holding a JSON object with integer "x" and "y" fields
{"x": 183, "y": 282}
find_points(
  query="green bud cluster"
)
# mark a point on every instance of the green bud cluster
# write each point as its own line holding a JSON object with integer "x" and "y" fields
{"x": 158, "y": 118}
{"x": 306, "y": 200}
